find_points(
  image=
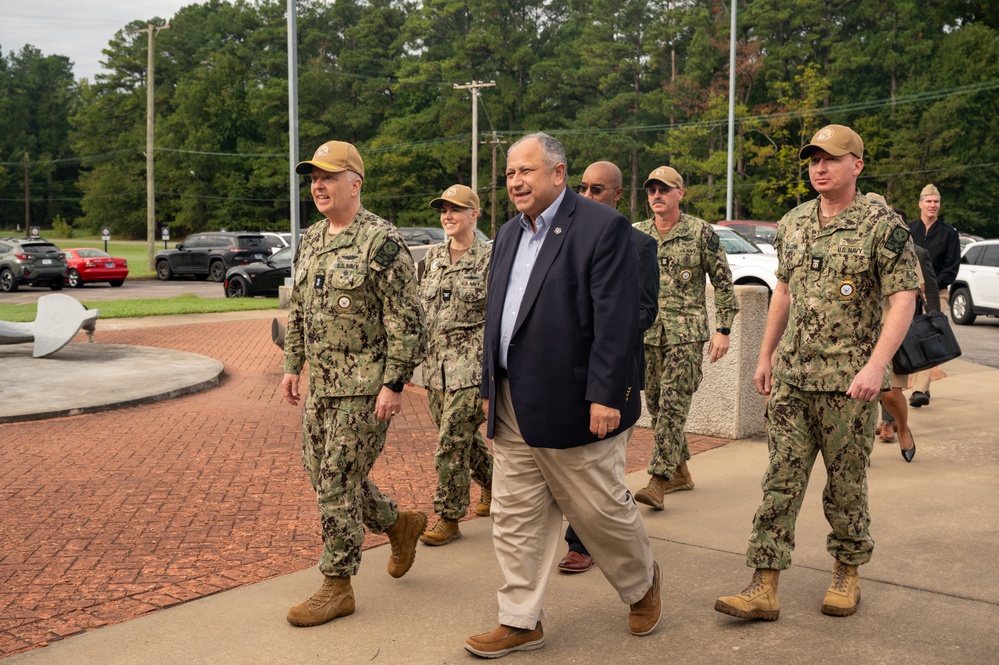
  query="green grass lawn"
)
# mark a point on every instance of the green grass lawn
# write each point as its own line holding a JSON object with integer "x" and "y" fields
{"x": 126, "y": 309}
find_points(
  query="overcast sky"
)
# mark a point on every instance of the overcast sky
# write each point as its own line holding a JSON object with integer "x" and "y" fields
{"x": 78, "y": 29}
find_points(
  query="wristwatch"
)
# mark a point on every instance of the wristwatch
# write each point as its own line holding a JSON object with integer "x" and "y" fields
{"x": 395, "y": 386}
{"x": 723, "y": 331}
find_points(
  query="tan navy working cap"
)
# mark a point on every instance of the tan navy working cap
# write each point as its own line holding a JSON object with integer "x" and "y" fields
{"x": 929, "y": 190}
{"x": 837, "y": 140}
{"x": 458, "y": 195}
{"x": 333, "y": 156}
{"x": 666, "y": 175}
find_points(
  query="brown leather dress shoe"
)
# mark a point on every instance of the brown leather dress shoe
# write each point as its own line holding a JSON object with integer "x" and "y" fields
{"x": 505, "y": 639}
{"x": 646, "y": 613}
{"x": 575, "y": 562}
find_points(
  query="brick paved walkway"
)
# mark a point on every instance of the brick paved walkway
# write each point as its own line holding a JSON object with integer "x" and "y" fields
{"x": 106, "y": 517}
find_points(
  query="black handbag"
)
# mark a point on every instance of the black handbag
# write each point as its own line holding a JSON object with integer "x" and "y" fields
{"x": 928, "y": 342}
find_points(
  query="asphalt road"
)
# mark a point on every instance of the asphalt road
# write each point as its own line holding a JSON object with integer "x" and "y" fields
{"x": 979, "y": 342}
{"x": 132, "y": 289}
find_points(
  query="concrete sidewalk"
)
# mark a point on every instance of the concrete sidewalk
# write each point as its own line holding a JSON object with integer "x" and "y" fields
{"x": 930, "y": 595}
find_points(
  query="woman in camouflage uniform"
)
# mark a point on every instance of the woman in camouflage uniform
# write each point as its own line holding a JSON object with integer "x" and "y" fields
{"x": 453, "y": 289}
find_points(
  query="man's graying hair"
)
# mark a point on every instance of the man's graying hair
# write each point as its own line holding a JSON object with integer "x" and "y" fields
{"x": 553, "y": 151}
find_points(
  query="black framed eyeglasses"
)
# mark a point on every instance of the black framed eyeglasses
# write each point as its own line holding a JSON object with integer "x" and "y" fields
{"x": 596, "y": 190}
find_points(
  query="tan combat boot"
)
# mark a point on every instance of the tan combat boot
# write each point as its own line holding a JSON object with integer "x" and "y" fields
{"x": 680, "y": 481}
{"x": 652, "y": 494}
{"x": 443, "y": 532}
{"x": 843, "y": 595}
{"x": 757, "y": 601}
{"x": 485, "y": 501}
{"x": 335, "y": 598}
{"x": 403, "y": 535}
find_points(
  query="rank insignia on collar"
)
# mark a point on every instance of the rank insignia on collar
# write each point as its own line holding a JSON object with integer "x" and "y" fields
{"x": 816, "y": 263}
{"x": 557, "y": 230}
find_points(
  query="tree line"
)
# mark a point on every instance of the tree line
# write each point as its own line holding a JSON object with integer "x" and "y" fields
{"x": 637, "y": 82}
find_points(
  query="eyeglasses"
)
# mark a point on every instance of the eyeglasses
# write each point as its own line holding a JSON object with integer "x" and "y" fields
{"x": 594, "y": 189}
{"x": 658, "y": 189}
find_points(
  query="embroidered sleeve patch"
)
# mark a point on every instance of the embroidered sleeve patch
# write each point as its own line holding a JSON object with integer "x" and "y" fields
{"x": 713, "y": 242}
{"x": 386, "y": 254}
{"x": 896, "y": 242}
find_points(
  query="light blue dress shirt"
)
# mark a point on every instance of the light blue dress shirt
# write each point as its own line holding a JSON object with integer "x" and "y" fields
{"x": 523, "y": 264}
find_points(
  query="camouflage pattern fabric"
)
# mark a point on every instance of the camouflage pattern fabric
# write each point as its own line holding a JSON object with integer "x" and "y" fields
{"x": 462, "y": 455}
{"x": 690, "y": 251}
{"x": 667, "y": 400}
{"x": 674, "y": 346}
{"x": 342, "y": 438}
{"x": 454, "y": 298}
{"x": 355, "y": 313}
{"x": 356, "y": 318}
{"x": 837, "y": 277}
{"x": 800, "y": 425}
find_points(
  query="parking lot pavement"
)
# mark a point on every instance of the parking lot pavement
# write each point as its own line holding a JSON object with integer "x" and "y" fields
{"x": 109, "y": 516}
{"x": 132, "y": 289}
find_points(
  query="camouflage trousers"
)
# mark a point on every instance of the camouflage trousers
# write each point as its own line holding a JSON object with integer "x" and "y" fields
{"x": 672, "y": 376}
{"x": 341, "y": 439}
{"x": 800, "y": 425}
{"x": 461, "y": 454}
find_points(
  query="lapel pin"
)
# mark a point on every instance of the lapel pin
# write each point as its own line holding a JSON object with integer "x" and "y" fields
{"x": 558, "y": 230}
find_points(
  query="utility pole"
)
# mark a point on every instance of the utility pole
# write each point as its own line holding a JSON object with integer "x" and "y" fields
{"x": 151, "y": 30}
{"x": 495, "y": 143}
{"x": 730, "y": 187}
{"x": 293, "y": 179}
{"x": 474, "y": 87}
{"x": 27, "y": 197}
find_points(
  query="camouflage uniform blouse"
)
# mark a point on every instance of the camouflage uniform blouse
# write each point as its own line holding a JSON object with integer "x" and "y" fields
{"x": 836, "y": 277}
{"x": 454, "y": 298}
{"x": 689, "y": 251}
{"x": 355, "y": 312}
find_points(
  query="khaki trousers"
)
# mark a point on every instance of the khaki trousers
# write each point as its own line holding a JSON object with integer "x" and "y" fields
{"x": 533, "y": 488}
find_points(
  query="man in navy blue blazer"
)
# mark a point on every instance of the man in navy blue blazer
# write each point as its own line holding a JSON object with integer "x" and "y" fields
{"x": 560, "y": 377}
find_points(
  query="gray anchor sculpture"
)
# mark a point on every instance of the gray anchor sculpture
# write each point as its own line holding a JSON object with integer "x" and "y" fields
{"x": 58, "y": 320}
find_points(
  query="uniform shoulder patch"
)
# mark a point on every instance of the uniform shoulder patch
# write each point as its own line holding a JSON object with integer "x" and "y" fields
{"x": 385, "y": 256}
{"x": 896, "y": 241}
{"x": 713, "y": 242}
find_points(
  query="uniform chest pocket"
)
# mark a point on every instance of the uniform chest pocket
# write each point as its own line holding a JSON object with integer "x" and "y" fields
{"x": 848, "y": 278}
{"x": 347, "y": 280}
{"x": 849, "y": 264}
{"x": 429, "y": 289}
{"x": 471, "y": 293}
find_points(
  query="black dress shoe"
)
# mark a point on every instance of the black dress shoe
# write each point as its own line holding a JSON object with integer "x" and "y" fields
{"x": 907, "y": 455}
{"x": 919, "y": 399}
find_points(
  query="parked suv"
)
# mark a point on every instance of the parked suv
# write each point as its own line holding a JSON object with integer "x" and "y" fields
{"x": 34, "y": 262}
{"x": 976, "y": 290}
{"x": 209, "y": 255}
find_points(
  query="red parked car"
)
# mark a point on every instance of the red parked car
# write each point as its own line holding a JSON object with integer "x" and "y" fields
{"x": 93, "y": 265}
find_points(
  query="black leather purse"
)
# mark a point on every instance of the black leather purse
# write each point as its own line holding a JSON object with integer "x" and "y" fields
{"x": 928, "y": 342}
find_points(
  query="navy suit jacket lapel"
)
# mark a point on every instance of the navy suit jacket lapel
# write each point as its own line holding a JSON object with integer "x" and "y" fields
{"x": 546, "y": 257}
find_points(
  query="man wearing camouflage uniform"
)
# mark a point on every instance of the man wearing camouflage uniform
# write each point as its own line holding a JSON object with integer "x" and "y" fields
{"x": 356, "y": 318}
{"x": 823, "y": 362}
{"x": 689, "y": 250}
{"x": 453, "y": 288}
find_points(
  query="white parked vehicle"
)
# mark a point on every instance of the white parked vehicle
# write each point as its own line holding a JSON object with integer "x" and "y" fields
{"x": 749, "y": 264}
{"x": 976, "y": 290}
